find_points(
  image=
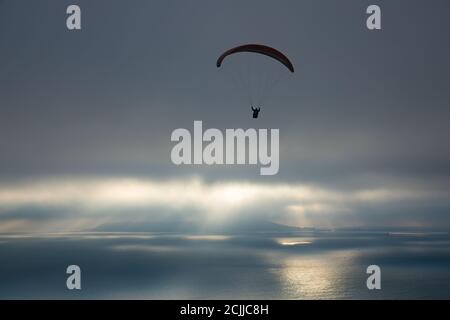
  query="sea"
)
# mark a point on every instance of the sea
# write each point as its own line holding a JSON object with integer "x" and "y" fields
{"x": 306, "y": 264}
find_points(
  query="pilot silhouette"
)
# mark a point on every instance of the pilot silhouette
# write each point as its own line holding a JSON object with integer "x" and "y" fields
{"x": 255, "y": 112}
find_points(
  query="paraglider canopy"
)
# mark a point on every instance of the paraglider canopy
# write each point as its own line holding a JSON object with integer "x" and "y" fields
{"x": 261, "y": 49}
{"x": 255, "y": 70}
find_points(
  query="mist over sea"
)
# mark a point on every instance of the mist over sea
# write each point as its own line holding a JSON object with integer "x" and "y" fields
{"x": 259, "y": 265}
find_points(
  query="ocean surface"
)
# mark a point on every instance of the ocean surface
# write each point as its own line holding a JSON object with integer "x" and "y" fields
{"x": 277, "y": 265}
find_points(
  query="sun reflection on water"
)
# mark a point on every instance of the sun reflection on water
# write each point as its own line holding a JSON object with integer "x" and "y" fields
{"x": 314, "y": 276}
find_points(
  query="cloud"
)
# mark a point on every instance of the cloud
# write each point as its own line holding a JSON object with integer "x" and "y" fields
{"x": 123, "y": 199}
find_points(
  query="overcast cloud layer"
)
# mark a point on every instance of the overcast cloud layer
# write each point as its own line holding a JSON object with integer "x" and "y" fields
{"x": 86, "y": 117}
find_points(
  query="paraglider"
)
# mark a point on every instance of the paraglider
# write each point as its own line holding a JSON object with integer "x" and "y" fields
{"x": 255, "y": 112}
{"x": 256, "y": 79}
{"x": 261, "y": 49}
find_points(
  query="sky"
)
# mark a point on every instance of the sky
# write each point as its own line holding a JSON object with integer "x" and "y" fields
{"x": 86, "y": 116}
